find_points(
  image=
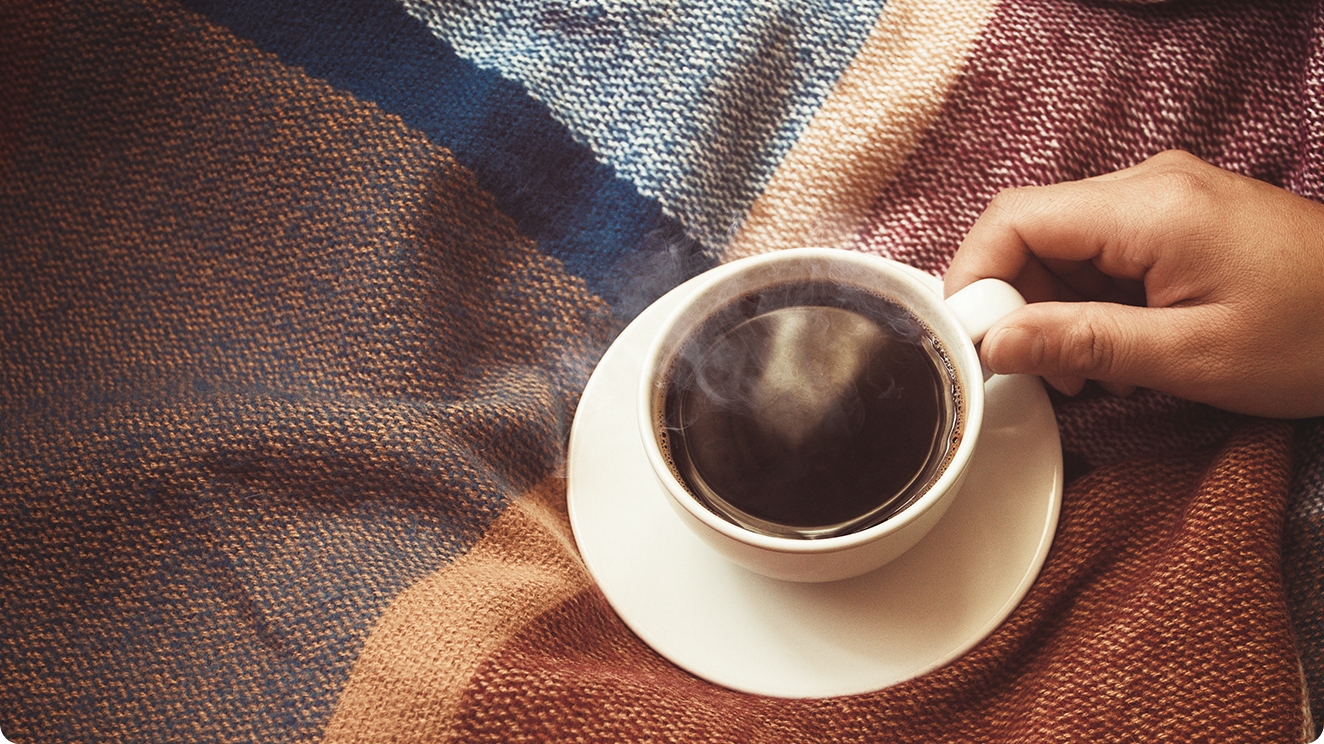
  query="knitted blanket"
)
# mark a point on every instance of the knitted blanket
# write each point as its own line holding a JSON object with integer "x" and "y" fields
{"x": 298, "y": 299}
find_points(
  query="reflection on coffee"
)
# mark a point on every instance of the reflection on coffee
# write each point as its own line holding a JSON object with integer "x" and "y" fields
{"x": 810, "y": 410}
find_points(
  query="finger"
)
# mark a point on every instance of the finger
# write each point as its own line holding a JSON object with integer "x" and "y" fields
{"x": 1066, "y": 385}
{"x": 992, "y": 247}
{"x": 1119, "y": 345}
{"x": 1086, "y": 282}
{"x": 1053, "y": 280}
{"x": 1083, "y": 221}
{"x": 1039, "y": 283}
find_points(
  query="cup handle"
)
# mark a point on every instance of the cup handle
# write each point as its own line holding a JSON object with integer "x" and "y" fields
{"x": 982, "y": 304}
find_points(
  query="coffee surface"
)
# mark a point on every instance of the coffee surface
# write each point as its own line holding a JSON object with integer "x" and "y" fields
{"x": 808, "y": 409}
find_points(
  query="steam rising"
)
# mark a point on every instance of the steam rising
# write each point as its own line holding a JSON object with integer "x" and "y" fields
{"x": 805, "y": 373}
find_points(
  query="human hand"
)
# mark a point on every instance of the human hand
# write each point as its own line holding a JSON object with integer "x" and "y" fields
{"x": 1173, "y": 275}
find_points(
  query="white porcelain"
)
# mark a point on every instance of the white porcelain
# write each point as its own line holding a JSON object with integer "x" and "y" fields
{"x": 957, "y": 323}
{"x": 750, "y": 633}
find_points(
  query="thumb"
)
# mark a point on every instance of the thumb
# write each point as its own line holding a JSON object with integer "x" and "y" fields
{"x": 1112, "y": 343}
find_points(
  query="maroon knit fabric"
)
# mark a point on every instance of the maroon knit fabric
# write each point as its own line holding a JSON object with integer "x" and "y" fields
{"x": 1058, "y": 91}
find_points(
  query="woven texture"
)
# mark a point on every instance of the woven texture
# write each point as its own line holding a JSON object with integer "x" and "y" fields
{"x": 297, "y": 300}
{"x": 1118, "y": 614}
{"x": 693, "y": 102}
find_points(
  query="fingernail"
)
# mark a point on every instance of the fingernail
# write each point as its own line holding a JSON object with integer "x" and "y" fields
{"x": 1014, "y": 349}
{"x": 1069, "y": 386}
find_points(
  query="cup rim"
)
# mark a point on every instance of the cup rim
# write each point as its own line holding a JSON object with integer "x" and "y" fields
{"x": 656, "y": 360}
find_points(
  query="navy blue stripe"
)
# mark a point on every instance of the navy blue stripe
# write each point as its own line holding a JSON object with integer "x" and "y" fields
{"x": 574, "y": 207}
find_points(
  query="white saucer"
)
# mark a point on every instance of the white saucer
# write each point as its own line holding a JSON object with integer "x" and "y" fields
{"x": 758, "y": 635}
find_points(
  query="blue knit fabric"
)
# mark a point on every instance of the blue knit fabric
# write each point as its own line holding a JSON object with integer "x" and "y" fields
{"x": 577, "y": 209}
{"x": 695, "y": 102}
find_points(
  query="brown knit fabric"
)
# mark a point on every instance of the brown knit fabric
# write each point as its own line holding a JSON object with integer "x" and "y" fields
{"x": 1159, "y": 616}
{"x": 265, "y": 360}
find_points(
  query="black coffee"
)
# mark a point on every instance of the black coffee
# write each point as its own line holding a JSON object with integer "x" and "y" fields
{"x": 810, "y": 409}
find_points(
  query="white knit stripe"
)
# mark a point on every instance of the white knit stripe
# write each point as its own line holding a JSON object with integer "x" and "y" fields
{"x": 868, "y": 125}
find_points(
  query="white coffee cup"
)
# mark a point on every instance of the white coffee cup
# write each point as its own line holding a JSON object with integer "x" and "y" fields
{"x": 957, "y": 324}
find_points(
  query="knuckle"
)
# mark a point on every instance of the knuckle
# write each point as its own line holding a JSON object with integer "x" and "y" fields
{"x": 1180, "y": 180}
{"x": 1180, "y": 187}
{"x": 1008, "y": 202}
{"x": 1089, "y": 349}
{"x": 1174, "y": 159}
